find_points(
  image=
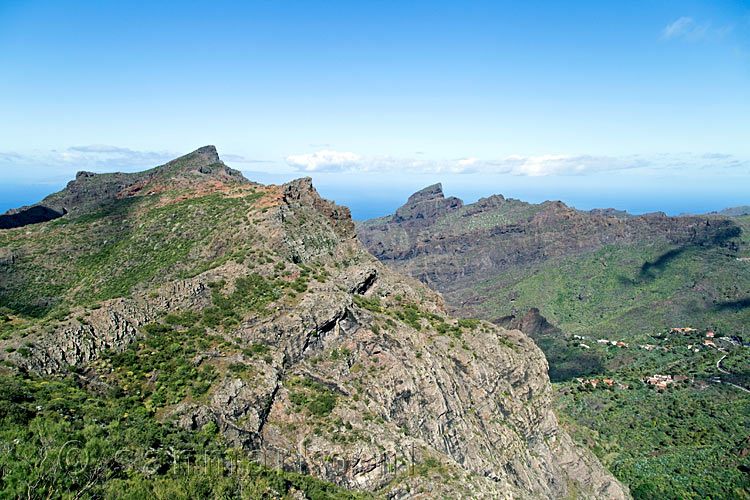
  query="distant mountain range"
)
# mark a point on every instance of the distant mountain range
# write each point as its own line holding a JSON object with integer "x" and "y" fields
{"x": 727, "y": 212}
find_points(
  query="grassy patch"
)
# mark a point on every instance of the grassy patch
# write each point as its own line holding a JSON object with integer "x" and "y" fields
{"x": 314, "y": 397}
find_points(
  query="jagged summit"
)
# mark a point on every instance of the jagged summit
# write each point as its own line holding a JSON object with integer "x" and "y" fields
{"x": 609, "y": 212}
{"x": 90, "y": 190}
{"x": 209, "y": 152}
{"x": 203, "y": 160}
{"x": 433, "y": 192}
{"x": 201, "y": 165}
{"x": 425, "y": 204}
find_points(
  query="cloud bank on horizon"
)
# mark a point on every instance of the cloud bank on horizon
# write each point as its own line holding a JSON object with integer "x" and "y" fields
{"x": 55, "y": 165}
{"x": 532, "y": 166}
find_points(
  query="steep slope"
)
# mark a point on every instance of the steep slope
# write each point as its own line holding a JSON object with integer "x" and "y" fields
{"x": 210, "y": 300}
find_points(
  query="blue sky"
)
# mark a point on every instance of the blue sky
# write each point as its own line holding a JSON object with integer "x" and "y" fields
{"x": 637, "y": 105}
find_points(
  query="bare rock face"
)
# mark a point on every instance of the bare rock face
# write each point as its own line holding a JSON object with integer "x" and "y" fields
{"x": 356, "y": 374}
{"x": 77, "y": 342}
{"x": 425, "y": 205}
{"x": 532, "y": 323}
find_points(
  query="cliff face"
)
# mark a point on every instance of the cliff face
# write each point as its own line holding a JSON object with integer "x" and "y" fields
{"x": 321, "y": 359}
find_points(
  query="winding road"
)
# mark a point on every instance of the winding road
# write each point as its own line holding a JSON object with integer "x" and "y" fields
{"x": 722, "y": 370}
{"x": 718, "y": 365}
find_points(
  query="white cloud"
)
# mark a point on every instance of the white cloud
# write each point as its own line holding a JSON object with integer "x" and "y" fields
{"x": 544, "y": 165}
{"x": 687, "y": 28}
{"x": 528, "y": 166}
{"x": 324, "y": 161}
{"x": 62, "y": 165}
{"x": 468, "y": 162}
{"x": 678, "y": 28}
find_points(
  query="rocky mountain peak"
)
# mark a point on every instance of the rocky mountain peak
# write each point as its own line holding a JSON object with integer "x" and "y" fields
{"x": 610, "y": 212}
{"x": 433, "y": 192}
{"x": 301, "y": 191}
{"x": 208, "y": 152}
{"x": 204, "y": 161}
{"x": 532, "y": 323}
{"x": 425, "y": 205}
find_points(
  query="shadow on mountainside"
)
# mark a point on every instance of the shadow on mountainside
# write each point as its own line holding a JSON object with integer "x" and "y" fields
{"x": 649, "y": 270}
{"x": 733, "y": 305}
{"x": 565, "y": 362}
{"x": 31, "y": 215}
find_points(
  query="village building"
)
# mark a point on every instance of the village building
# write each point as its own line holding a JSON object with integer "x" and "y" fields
{"x": 682, "y": 330}
{"x": 660, "y": 381}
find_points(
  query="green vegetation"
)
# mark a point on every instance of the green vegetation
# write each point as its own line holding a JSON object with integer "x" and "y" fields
{"x": 159, "y": 370}
{"x": 629, "y": 289}
{"x": 412, "y": 315}
{"x": 127, "y": 245}
{"x": 312, "y": 396}
{"x": 251, "y": 293}
{"x": 371, "y": 304}
{"x": 624, "y": 292}
{"x": 61, "y": 441}
{"x": 508, "y": 212}
{"x": 688, "y": 441}
{"x": 684, "y": 443}
{"x": 104, "y": 430}
{"x": 681, "y": 442}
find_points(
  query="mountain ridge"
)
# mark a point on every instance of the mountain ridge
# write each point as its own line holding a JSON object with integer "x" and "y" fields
{"x": 89, "y": 190}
